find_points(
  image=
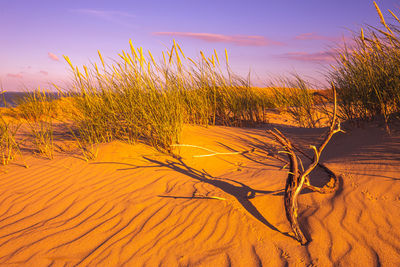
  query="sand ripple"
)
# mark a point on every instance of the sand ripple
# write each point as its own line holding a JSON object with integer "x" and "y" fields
{"x": 151, "y": 210}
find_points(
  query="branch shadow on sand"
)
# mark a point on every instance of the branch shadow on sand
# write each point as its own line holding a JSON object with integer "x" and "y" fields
{"x": 240, "y": 191}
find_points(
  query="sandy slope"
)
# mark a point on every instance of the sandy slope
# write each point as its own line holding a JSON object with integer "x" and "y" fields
{"x": 136, "y": 207}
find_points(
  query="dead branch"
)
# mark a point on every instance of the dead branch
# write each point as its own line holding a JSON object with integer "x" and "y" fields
{"x": 298, "y": 179}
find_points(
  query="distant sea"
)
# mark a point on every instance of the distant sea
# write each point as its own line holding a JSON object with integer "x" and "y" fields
{"x": 12, "y": 99}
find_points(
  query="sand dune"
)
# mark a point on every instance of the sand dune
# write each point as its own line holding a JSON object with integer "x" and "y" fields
{"x": 136, "y": 207}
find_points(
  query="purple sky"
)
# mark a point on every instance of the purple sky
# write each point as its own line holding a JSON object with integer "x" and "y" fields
{"x": 268, "y": 37}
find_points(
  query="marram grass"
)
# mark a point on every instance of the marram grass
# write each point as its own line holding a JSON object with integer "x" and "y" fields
{"x": 38, "y": 109}
{"x": 367, "y": 74}
{"x": 137, "y": 99}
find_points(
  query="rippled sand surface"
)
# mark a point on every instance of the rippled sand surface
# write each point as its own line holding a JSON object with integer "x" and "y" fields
{"x": 136, "y": 207}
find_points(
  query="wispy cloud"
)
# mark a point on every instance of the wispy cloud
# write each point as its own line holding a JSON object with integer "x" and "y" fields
{"x": 316, "y": 36}
{"x": 14, "y": 75}
{"x": 241, "y": 40}
{"x": 105, "y": 14}
{"x": 53, "y": 56}
{"x": 44, "y": 72}
{"x": 321, "y": 56}
{"x": 117, "y": 17}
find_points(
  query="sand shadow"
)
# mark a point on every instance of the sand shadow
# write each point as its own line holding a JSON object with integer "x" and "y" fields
{"x": 257, "y": 154}
{"x": 240, "y": 191}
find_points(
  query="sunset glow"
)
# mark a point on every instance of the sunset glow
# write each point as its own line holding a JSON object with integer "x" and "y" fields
{"x": 266, "y": 38}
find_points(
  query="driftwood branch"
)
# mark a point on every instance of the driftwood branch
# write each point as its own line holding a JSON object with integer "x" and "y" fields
{"x": 299, "y": 179}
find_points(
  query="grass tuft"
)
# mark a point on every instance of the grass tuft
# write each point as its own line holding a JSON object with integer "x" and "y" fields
{"x": 297, "y": 98}
{"x": 136, "y": 99}
{"x": 367, "y": 73}
{"x": 9, "y": 147}
{"x": 38, "y": 109}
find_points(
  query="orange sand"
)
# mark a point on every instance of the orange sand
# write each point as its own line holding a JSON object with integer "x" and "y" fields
{"x": 136, "y": 207}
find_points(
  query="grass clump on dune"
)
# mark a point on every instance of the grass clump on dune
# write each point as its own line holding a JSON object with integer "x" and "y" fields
{"x": 9, "y": 147}
{"x": 136, "y": 99}
{"x": 125, "y": 102}
{"x": 367, "y": 74}
{"x": 38, "y": 109}
{"x": 305, "y": 105}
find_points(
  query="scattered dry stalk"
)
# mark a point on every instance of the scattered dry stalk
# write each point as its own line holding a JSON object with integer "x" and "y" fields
{"x": 212, "y": 152}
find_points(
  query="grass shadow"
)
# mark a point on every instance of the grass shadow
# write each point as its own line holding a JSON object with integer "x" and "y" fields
{"x": 241, "y": 192}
